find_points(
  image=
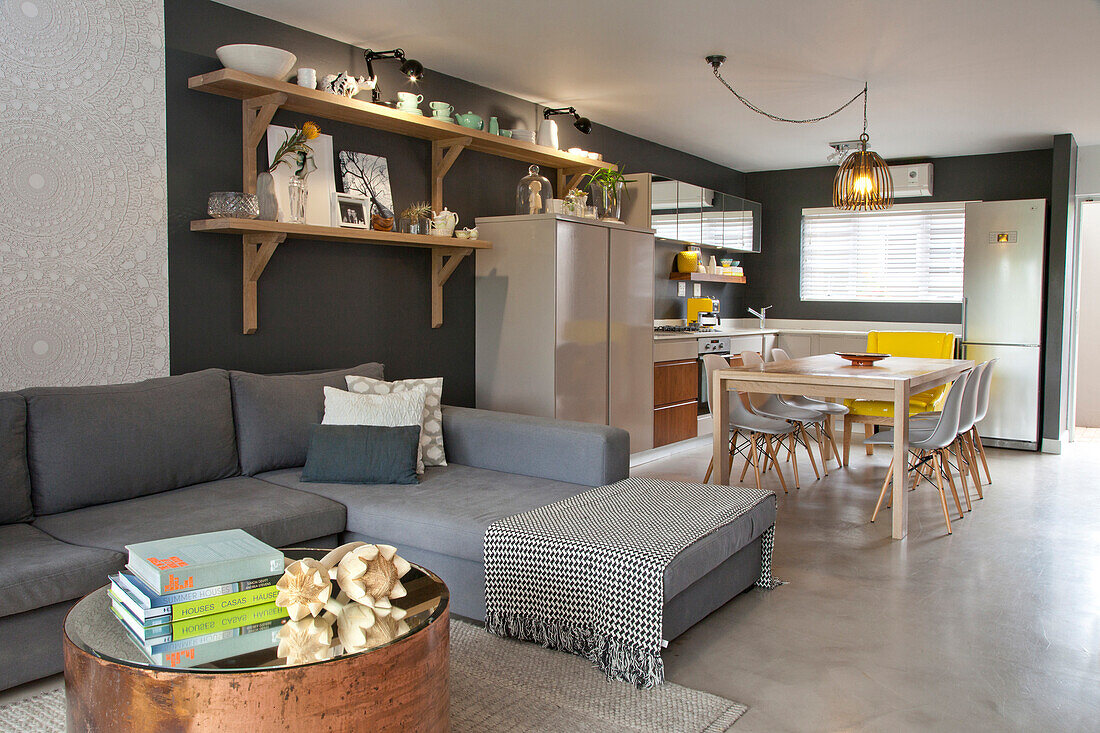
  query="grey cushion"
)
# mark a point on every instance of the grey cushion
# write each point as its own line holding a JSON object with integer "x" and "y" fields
{"x": 452, "y": 507}
{"x": 276, "y": 515}
{"x": 579, "y": 453}
{"x": 274, "y": 412}
{"x": 356, "y": 454}
{"x": 37, "y": 570}
{"x": 90, "y": 445}
{"x": 447, "y": 512}
{"x": 15, "y": 485}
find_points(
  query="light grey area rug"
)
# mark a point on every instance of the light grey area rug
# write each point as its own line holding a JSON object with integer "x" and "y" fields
{"x": 506, "y": 685}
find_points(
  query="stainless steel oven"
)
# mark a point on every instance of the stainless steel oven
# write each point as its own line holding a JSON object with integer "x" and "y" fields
{"x": 719, "y": 345}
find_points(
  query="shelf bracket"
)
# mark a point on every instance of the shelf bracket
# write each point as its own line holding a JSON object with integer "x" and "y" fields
{"x": 444, "y": 262}
{"x": 570, "y": 178}
{"x": 257, "y": 250}
{"x": 444, "y": 155}
{"x": 256, "y": 114}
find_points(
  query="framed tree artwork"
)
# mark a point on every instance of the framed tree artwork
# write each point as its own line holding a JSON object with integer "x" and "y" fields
{"x": 367, "y": 176}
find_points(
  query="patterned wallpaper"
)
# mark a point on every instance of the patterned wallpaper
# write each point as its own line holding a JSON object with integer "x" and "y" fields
{"x": 83, "y": 202}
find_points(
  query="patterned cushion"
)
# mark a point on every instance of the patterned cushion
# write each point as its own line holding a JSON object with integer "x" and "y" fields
{"x": 431, "y": 433}
{"x": 388, "y": 410}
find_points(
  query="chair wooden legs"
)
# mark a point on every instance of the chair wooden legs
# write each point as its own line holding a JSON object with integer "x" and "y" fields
{"x": 847, "y": 439}
{"x": 868, "y": 431}
{"x": 754, "y": 439}
{"x": 976, "y": 439}
{"x": 968, "y": 446}
{"x": 945, "y": 464}
{"x": 963, "y": 473}
{"x": 885, "y": 486}
{"x": 792, "y": 444}
{"x": 939, "y": 485}
{"x": 801, "y": 430}
{"x": 832, "y": 438}
{"x": 775, "y": 462}
{"x": 821, "y": 446}
{"x": 710, "y": 470}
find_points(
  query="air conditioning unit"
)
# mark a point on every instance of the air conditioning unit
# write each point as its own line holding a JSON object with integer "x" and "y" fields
{"x": 912, "y": 180}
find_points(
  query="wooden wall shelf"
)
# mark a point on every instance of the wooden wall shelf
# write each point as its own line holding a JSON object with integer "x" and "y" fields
{"x": 700, "y": 277}
{"x": 261, "y": 238}
{"x": 239, "y": 85}
{"x": 262, "y": 97}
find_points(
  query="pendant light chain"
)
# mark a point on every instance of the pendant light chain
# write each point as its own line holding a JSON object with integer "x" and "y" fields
{"x": 777, "y": 118}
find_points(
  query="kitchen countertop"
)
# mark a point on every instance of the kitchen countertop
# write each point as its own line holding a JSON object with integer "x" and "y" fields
{"x": 663, "y": 336}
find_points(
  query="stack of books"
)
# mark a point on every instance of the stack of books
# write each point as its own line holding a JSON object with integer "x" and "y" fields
{"x": 199, "y": 599}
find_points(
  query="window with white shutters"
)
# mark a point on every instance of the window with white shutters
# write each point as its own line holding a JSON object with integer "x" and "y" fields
{"x": 911, "y": 253}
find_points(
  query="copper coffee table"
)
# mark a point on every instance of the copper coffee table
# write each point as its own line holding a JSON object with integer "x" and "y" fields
{"x": 399, "y": 685}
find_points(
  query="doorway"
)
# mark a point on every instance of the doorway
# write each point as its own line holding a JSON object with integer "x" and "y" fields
{"x": 1087, "y": 371}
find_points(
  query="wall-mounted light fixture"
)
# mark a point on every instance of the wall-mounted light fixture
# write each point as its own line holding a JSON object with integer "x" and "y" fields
{"x": 581, "y": 123}
{"x": 409, "y": 67}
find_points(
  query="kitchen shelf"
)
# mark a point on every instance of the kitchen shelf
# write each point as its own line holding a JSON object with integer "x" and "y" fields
{"x": 700, "y": 277}
{"x": 261, "y": 238}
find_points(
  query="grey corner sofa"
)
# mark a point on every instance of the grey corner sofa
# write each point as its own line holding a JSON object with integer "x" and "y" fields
{"x": 85, "y": 471}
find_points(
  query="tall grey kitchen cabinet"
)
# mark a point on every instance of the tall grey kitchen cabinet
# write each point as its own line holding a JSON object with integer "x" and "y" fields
{"x": 564, "y": 328}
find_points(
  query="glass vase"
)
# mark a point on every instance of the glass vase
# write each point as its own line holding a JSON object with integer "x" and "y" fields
{"x": 608, "y": 201}
{"x": 298, "y": 195}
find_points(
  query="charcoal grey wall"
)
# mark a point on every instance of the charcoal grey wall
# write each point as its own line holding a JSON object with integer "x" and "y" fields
{"x": 328, "y": 304}
{"x": 775, "y": 273}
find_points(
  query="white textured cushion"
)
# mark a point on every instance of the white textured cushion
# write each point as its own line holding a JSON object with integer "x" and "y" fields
{"x": 388, "y": 410}
{"x": 431, "y": 427}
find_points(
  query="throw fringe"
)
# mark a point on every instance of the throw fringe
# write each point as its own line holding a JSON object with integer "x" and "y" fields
{"x": 642, "y": 668}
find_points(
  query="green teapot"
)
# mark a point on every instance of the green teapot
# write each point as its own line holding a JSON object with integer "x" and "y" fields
{"x": 471, "y": 120}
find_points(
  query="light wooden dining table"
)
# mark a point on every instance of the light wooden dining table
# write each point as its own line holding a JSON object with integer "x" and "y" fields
{"x": 828, "y": 376}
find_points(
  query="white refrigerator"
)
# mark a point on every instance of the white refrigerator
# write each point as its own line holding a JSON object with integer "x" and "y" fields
{"x": 1003, "y": 313}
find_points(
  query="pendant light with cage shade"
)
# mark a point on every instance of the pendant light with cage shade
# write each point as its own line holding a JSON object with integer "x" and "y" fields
{"x": 863, "y": 181}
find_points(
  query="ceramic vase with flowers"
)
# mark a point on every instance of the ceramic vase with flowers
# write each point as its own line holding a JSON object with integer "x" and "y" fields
{"x": 296, "y": 153}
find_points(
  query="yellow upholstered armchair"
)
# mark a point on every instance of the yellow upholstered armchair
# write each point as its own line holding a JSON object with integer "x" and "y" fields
{"x": 920, "y": 344}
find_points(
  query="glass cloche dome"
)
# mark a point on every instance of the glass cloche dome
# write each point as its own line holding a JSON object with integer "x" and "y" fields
{"x": 533, "y": 193}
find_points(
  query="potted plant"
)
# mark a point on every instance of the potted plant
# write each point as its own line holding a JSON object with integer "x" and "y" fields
{"x": 416, "y": 218}
{"x": 607, "y": 188}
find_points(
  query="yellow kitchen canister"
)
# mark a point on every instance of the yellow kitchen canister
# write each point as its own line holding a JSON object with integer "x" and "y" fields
{"x": 687, "y": 261}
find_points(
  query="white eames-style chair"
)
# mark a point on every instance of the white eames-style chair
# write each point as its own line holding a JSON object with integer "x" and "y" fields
{"x": 771, "y": 405}
{"x": 760, "y": 433}
{"x": 830, "y": 409}
{"x": 930, "y": 446}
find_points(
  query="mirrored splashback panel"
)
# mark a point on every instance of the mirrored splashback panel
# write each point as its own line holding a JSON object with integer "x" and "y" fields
{"x": 693, "y": 214}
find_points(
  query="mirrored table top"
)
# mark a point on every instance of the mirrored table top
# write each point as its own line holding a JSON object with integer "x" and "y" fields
{"x": 94, "y": 628}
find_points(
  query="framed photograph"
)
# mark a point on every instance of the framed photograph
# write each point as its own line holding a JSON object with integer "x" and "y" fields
{"x": 350, "y": 210}
{"x": 368, "y": 176}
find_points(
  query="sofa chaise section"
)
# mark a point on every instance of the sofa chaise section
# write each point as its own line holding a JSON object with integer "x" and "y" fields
{"x": 502, "y": 464}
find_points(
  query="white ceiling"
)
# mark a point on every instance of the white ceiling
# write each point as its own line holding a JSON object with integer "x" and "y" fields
{"x": 947, "y": 77}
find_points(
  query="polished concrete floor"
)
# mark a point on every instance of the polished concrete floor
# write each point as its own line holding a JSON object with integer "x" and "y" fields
{"x": 993, "y": 628}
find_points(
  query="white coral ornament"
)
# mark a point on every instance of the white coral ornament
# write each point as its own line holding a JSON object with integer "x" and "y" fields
{"x": 305, "y": 641}
{"x": 353, "y": 622}
{"x": 371, "y": 575}
{"x": 304, "y": 589}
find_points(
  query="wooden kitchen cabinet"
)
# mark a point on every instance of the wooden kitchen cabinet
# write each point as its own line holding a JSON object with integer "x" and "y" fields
{"x": 675, "y": 381}
{"x": 675, "y": 400}
{"x": 673, "y": 423}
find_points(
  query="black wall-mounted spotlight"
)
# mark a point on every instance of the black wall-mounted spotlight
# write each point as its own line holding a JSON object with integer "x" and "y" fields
{"x": 409, "y": 67}
{"x": 581, "y": 123}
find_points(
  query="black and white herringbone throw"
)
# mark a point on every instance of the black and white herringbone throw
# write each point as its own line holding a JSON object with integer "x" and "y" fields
{"x": 586, "y": 574}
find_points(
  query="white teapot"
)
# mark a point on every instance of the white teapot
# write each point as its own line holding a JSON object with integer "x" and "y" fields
{"x": 444, "y": 223}
{"x": 344, "y": 85}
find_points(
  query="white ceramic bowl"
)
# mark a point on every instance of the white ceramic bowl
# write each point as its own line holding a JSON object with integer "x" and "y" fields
{"x": 259, "y": 60}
